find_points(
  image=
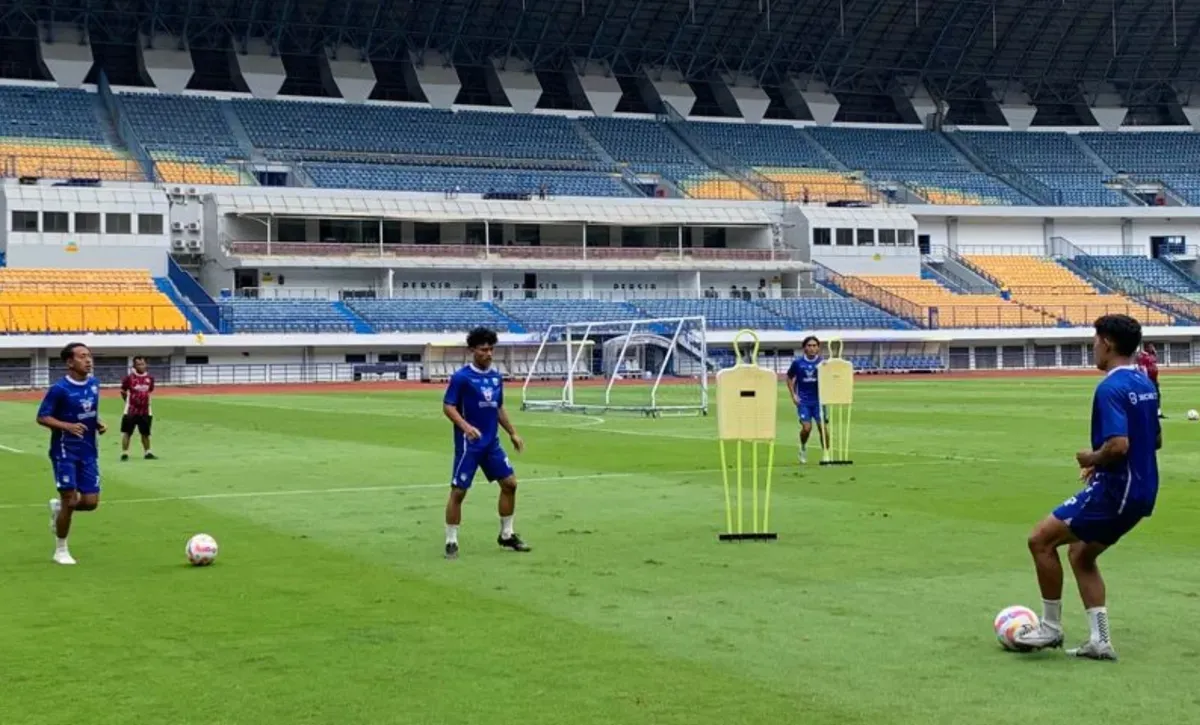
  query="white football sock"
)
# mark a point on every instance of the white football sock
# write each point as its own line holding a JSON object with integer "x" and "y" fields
{"x": 506, "y": 527}
{"x": 1098, "y": 618}
{"x": 1052, "y": 612}
{"x": 451, "y": 534}
{"x": 60, "y": 544}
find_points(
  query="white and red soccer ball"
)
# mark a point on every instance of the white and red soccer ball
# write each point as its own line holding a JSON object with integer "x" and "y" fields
{"x": 201, "y": 550}
{"x": 1012, "y": 621}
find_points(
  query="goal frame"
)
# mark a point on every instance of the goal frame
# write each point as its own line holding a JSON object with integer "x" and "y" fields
{"x": 576, "y": 345}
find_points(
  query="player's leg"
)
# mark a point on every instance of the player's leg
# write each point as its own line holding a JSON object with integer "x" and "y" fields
{"x": 1158, "y": 392}
{"x": 78, "y": 484}
{"x": 823, "y": 430}
{"x": 143, "y": 426}
{"x": 1082, "y": 556}
{"x": 461, "y": 476}
{"x": 805, "y": 431}
{"x": 1051, "y": 533}
{"x": 498, "y": 468}
{"x": 127, "y": 427}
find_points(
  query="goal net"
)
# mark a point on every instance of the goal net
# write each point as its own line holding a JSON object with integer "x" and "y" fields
{"x": 654, "y": 367}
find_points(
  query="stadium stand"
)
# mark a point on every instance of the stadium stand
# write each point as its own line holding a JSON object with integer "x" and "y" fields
{"x": 834, "y": 314}
{"x": 464, "y": 179}
{"x": 1167, "y": 157}
{"x": 1156, "y": 272}
{"x": 721, "y": 314}
{"x": 1055, "y": 159}
{"x": 1049, "y": 286}
{"x": 425, "y": 315}
{"x": 960, "y": 310}
{"x": 78, "y": 301}
{"x": 189, "y": 138}
{"x": 536, "y": 315}
{"x": 59, "y": 134}
{"x": 650, "y": 147}
{"x": 242, "y": 314}
{"x": 921, "y": 159}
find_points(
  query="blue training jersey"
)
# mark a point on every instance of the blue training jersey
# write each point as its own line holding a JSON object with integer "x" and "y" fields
{"x": 72, "y": 401}
{"x": 477, "y": 395}
{"x": 804, "y": 372}
{"x": 1126, "y": 404}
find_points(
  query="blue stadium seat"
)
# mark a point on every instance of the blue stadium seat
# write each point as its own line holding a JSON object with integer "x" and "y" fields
{"x": 1151, "y": 271}
{"x": 834, "y": 314}
{"x": 322, "y": 127}
{"x": 1051, "y": 158}
{"x": 537, "y": 315}
{"x": 720, "y": 314}
{"x": 253, "y": 315}
{"x": 915, "y": 157}
{"x": 466, "y": 179}
{"x": 50, "y": 113}
{"x": 426, "y": 315}
{"x": 1169, "y": 157}
{"x": 187, "y": 126}
{"x": 760, "y": 144}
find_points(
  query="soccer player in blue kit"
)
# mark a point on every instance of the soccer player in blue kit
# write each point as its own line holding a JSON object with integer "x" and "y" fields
{"x": 71, "y": 410}
{"x": 802, "y": 384}
{"x": 474, "y": 402}
{"x": 1121, "y": 471}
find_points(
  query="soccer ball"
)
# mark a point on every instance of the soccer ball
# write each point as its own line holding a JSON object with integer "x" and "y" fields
{"x": 201, "y": 550}
{"x": 1010, "y": 622}
{"x": 1193, "y": 415}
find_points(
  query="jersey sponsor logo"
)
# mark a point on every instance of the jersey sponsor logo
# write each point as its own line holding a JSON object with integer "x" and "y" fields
{"x": 1135, "y": 398}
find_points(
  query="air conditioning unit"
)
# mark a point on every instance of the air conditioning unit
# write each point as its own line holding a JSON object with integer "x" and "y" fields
{"x": 193, "y": 245}
{"x": 178, "y": 245}
{"x": 192, "y": 191}
{"x": 177, "y": 226}
{"x": 193, "y": 227}
{"x": 177, "y": 191}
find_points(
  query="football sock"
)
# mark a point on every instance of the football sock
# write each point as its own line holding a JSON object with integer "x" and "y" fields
{"x": 506, "y": 527}
{"x": 1052, "y": 612}
{"x": 60, "y": 544}
{"x": 1098, "y": 618}
{"x": 451, "y": 534}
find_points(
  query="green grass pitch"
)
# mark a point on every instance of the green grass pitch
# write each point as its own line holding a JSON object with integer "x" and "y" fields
{"x": 331, "y": 603}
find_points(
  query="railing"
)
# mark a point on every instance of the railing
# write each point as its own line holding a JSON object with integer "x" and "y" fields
{"x": 412, "y": 159}
{"x": 65, "y": 166}
{"x": 1170, "y": 302}
{"x": 65, "y": 318}
{"x": 479, "y": 252}
{"x": 869, "y": 293}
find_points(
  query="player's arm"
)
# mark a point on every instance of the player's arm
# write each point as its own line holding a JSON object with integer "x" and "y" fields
{"x": 450, "y": 409}
{"x": 1114, "y": 430}
{"x": 791, "y": 383}
{"x": 506, "y": 424}
{"x": 125, "y": 388}
{"x": 46, "y": 415}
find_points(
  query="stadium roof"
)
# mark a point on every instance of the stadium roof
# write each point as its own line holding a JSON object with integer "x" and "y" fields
{"x": 1052, "y": 46}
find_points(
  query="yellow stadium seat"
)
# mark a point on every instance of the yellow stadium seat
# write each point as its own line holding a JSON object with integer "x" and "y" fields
{"x": 955, "y": 310}
{"x": 1046, "y": 285}
{"x": 73, "y": 300}
{"x": 67, "y": 158}
{"x": 820, "y": 185}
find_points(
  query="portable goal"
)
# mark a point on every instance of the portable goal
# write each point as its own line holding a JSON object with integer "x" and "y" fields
{"x": 652, "y": 366}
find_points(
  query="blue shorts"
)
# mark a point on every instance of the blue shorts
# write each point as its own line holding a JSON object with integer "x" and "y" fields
{"x": 1098, "y": 513}
{"x": 812, "y": 411}
{"x": 72, "y": 474}
{"x": 493, "y": 461}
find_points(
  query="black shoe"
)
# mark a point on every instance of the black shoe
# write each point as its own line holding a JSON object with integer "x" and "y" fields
{"x": 451, "y": 551}
{"x": 150, "y": 457}
{"x": 124, "y": 456}
{"x": 513, "y": 542}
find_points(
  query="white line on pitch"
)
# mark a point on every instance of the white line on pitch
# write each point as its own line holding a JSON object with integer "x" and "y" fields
{"x": 420, "y": 486}
{"x": 11, "y": 450}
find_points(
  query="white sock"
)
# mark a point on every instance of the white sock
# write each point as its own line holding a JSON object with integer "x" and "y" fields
{"x": 506, "y": 531}
{"x": 451, "y": 534}
{"x": 60, "y": 544}
{"x": 1052, "y": 612}
{"x": 1098, "y": 618}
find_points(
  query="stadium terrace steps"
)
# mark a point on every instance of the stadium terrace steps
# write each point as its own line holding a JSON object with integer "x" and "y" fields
{"x": 960, "y": 310}
{"x": 361, "y": 326}
{"x": 194, "y": 318}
